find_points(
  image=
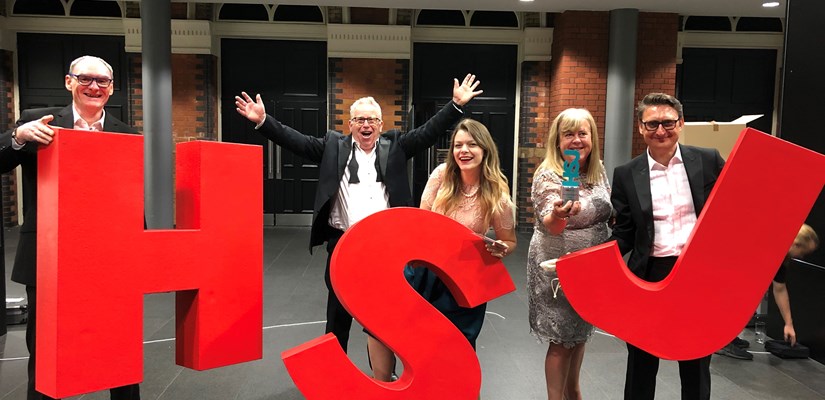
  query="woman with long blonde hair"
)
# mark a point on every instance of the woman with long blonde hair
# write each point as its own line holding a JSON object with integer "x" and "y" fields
{"x": 562, "y": 227}
{"x": 471, "y": 189}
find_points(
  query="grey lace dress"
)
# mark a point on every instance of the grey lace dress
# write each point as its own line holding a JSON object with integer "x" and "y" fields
{"x": 552, "y": 319}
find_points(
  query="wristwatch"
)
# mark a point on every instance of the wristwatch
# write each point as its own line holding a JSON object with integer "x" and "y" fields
{"x": 14, "y": 137}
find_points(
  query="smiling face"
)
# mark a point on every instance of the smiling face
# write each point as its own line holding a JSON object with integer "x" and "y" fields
{"x": 467, "y": 153}
{"x": 580, "y": 139}
{"x": 661, "y": 140}
{"x": 365, "y": 125}
{"x": 89, "y": 100}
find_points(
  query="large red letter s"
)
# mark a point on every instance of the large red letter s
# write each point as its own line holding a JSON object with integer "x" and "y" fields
{"x": 95, "y": 260}
{"x": 762, "y": 197}
{"x": 367, "y": 273}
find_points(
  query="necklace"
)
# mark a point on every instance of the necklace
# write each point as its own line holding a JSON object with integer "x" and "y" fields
{"x": 473, "y": 191}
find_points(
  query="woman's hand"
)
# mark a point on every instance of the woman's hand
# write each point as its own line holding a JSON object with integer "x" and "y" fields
{"x": 549, "y": 265}
{"x": 556, "y": 220}
{"x": 566, "y": 210}
{"x": 498, "y": 248}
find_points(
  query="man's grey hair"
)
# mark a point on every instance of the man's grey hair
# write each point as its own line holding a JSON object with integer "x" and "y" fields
{"x": 364, "y": 100}
{"x": 91, "y": 58}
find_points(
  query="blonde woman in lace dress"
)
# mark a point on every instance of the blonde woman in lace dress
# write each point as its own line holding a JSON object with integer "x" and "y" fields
{"x": 559, "y": 229}
{"x": 469, "y": 188}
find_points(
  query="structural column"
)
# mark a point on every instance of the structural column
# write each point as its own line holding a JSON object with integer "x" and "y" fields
{"x": 621, "y": 85}
{"x": 156, "y": 31}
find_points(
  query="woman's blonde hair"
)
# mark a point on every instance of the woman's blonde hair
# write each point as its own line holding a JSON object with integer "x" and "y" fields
{"x": 493, "y": 186}
{"x": 570, "y": 120}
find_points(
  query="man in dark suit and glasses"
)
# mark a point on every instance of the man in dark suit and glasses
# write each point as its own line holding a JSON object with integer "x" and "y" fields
{"x": 658, "y": 197}
{"x": 360, "y": 173}
{"x": 90, "y": 82}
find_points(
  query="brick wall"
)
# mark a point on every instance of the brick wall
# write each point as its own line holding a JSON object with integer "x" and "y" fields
{"x": 656, "y": 60}
{"x": 194, "y": 96}
{"x": 579, "y": 63}
{"x": 135, "y": 91}
{"x": 534, "y": 124}
{"x": 575, "y": 77}
{"x": 9, "y": 199}
{"x": 385, "y": 80}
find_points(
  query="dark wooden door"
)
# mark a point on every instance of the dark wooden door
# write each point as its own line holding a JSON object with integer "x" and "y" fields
{"x": 43, "y": 62}
{"x": 435, "y": 65}
{"x": 293, "y": 181}
{"x": 724, "y": 84}
{"x": 291, "y": 78}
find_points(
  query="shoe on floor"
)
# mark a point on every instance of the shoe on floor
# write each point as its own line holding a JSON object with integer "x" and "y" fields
{"x": 734, "y": 352}
{"x": 741, "y": 343}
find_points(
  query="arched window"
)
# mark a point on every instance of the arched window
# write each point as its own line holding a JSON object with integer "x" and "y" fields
{"x": 244, "y": 12}
{"x": 298, "y": 14}
{"x": 756, "y": 24}
{"x": 38, "y": 7}
{"x": 505, "y": 19}
{"x": 702, "y": 23}
{"x": 89, "y": 8}
{"x": 441, "y": 17}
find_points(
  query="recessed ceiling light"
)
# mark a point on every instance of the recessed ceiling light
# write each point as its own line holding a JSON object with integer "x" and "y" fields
{"x": 771, "y": 4}
{"x": 526, "y": 1}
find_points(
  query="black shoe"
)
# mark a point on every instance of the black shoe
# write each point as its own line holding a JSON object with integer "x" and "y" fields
{"x": 734, "y": 352}
{"x": 741, "y": 343}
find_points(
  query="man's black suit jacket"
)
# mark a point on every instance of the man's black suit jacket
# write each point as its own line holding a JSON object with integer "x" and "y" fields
{"x": 633, "y": 203}
{"x": 332, "y": 151}
{"x": 25, "y": 261}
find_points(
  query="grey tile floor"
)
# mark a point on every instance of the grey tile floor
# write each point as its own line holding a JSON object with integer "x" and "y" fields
{"x": 511, "y": 360}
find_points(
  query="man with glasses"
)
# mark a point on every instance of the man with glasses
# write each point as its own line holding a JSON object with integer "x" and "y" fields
{"x": 658, "y": 197}
{"x": 90, "y": 82}
{"x": 360, "y": 173}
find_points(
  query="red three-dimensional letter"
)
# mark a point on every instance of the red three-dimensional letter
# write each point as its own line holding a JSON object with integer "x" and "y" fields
{"x": 96, "y": 261}
{"x": 760, "y": 200}
{"x": 367, "y": 273}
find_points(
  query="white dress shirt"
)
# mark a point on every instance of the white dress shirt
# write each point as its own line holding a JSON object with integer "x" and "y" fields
{"x": 673, "y": 213}
{"x": 81, "y": 124}
{"x": 356, "y": 201}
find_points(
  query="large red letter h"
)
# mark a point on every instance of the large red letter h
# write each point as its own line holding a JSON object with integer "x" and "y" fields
{"x": 96, "y": 261}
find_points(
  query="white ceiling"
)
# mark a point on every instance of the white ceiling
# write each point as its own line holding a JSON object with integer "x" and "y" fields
{"x": 730, "y": 8}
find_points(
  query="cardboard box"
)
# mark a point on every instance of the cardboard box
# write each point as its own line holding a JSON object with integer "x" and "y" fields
{"x": 718, "y": 135}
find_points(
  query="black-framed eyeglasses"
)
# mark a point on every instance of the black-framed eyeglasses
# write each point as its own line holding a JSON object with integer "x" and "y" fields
{"x": 86, "y": 80}
{"x": 653, "y": 125}
{"x": 360, "y": 121}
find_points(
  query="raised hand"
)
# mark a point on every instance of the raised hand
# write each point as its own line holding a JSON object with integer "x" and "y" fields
{"x": 464, "y": 92}
{"x": 252, "y": 110}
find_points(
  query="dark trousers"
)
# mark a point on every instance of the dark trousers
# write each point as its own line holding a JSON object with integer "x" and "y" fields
{"x": 128, "y": 392}
{"x": 642, "y": 367}
{"x": 339, "y": 321}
